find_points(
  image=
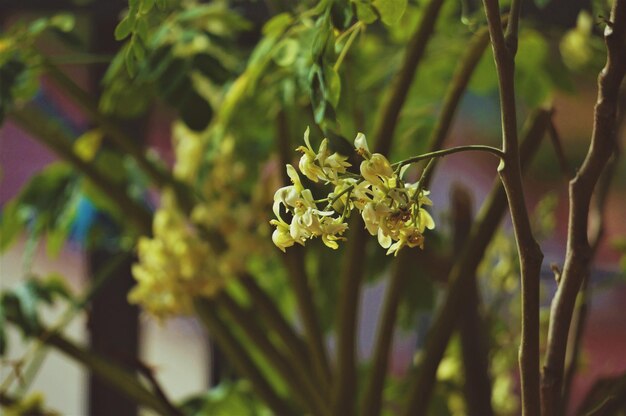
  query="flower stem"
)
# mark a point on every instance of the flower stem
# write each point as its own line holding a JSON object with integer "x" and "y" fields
{"x": 452, "y": 150}
{"x": 356, "y": 29}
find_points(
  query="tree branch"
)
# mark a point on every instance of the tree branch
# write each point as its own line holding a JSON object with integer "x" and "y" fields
{"x": 578, "y": 254}
{"x": 530, "y": 255}
{"x": 460, "y": 276}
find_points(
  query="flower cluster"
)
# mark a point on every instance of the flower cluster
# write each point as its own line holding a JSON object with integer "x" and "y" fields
{"x": 197, "y": 253}
{"x": 392, "y": 208}
{"x": 173, "y": 265}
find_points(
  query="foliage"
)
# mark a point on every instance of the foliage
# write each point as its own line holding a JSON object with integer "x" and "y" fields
{"x": 241, "y": 88}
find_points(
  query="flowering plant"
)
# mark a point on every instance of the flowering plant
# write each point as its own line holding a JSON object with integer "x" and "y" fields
{"x": 186, "y": 228}
{"x": 392, "y": 209}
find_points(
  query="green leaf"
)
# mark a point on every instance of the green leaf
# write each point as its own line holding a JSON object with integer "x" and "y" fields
{"x": 390, "y": 10}
{"x": 146, "y": 6}
{"x": 365, "y": 12}
{"x": 123, "y": 28}
{"x": 141, "y": 28}
{"x": 138, "y": 50}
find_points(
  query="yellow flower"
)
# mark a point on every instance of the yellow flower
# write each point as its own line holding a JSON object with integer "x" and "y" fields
{"x": 377, "y": 170}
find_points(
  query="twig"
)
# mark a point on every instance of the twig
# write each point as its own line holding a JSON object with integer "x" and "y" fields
{"x": 450, "y": 151}
{"x": 555, "y": 138}
{"x": 148, "y": 373}
{"x": 240, "y": 359}
{"x": 460, "y": 276}
{"x": 530, "y": 255}
{"x": 578, "y": 255}
{"x": 345, "y": 389}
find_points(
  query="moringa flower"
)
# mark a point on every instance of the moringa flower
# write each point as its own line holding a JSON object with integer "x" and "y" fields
{"x": 377, "y": 170}
{"x": 392, "y": 209}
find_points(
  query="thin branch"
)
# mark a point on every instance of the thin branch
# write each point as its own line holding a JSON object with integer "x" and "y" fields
{"x": 148, "y": 373}
{"x": 450, "y": 151}
{"x": 579, "y": 322}
{"x": 511, "y": 34}
{"x": 530, "y": 255}
{"x": 556, "y": 141}
{"x": 345, "y": 389}
{"x": 48, "y": 131}
{"x": 605, "y": 398}
{"x": 578, "y": 255}
{"x": 292, "y": 372}
{"x": 241, "y": 360}
{"x": 585, "y": 294}
{"x": 460, "y": 276}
